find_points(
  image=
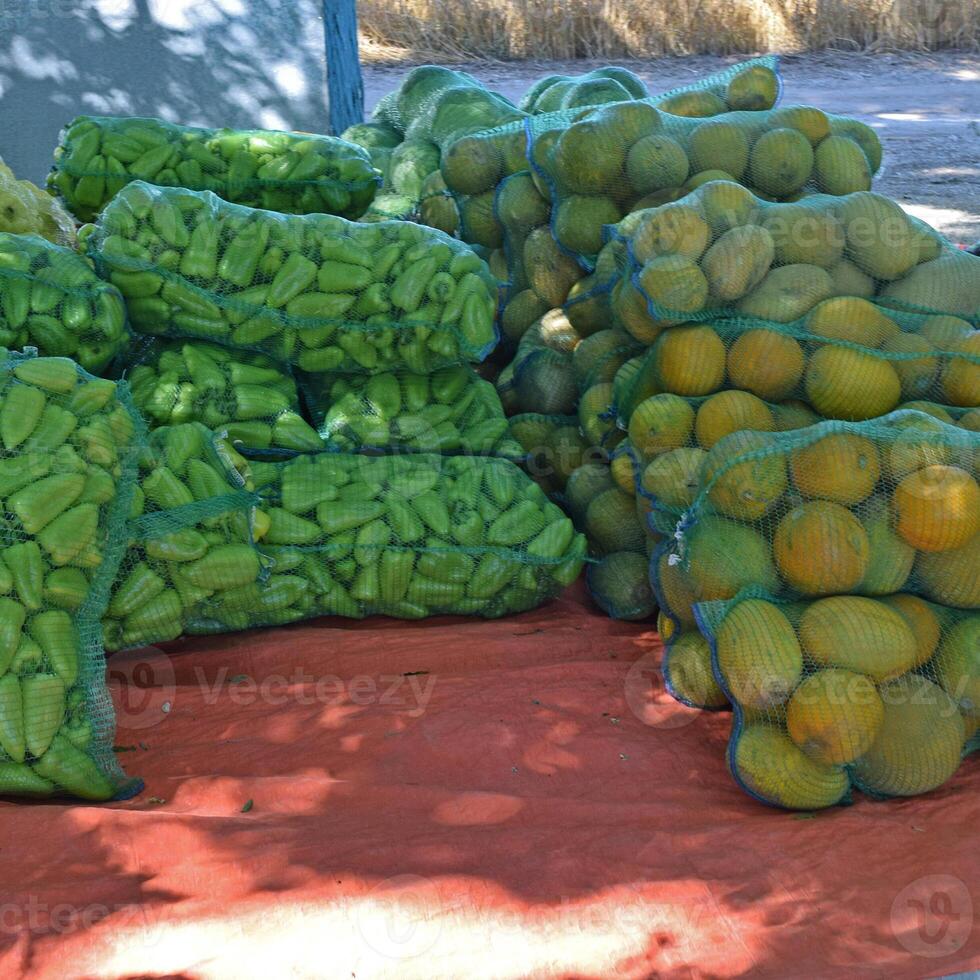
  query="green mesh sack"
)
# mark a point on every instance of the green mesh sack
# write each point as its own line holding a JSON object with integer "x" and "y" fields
{"x": 247, "y": 396}
{"x": 313, "y": 291}
{"x": 420, "y": 88}
{"x": 51, "y": 299}
{"x": 723, "y": 252}
{"x": 295, "y": 173}
{"x": 189, "y": 540}
{"x": 541, "y": 376}
{"x": 403, "y": 536}
{"x": 378, "y": 139}
{"x": 845, "y": 692}
{"x": 450, "y": 411}
{"x": 67, "y": 477}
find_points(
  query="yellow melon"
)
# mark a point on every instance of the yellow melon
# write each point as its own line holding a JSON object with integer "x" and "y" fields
{"x": 690, "y": 360}
{"x": 745, "y": 489}
{"x": 661, "y": 423}
{"x": 958, "y": 664}
{"x": 687, "y": 670}
{"x": 730, "y": 411}
{"x": 842, "y": 383}
{"x": 922, "y": 621}
{"x": 766, "y": 363}
{"x": 841, "y": 467}
{"x": 937, "y": 508}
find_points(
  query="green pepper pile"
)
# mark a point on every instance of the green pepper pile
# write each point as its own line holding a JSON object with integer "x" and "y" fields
{"x": 67, "y": 473}
{"x": 292, "y": 173}
{"x": 247, "y": 396}
{"x": 190, "y": 538}
{"x": 314, "y": 291}
{"x": 452, "y": 410}
{"x": 406, "y": 536}
{"x": 51, "y": 299}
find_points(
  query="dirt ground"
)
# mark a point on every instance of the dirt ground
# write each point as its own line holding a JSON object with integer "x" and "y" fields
{"x": 926, "y": 109}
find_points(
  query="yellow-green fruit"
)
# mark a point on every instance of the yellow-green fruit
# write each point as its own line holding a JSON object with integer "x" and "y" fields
{"x": 587, "y": 306}
{"x": 842, "y": 467}
{"x": 675, "y": 285}
{"x": 880, "y": 237}
{"x": 520, "y": 312}
{"x": 594, "y": 411}
{"x": 859, "y": 634}
{"x": 948, "y": 284}
{"x": 845, "y": 384}
{"x": 598, "y": 357}
{"x": 755, "y": 87}
{"x": 849, "y": 280}
{"x": 628, "y": 122}
{"x": 726, "y": 205}
{"x": 919, "y": 744}
{"x": 702, "y": 177}
{"x": 497, "y": 261}
{"x": 758, "y": 653}
{"x": 471, "y": 165}
{"x": 792, "y": 415}
{"x": 719, "y": 145}
{"x": 630, "y": 311}
{"x": 730, "y": 411}
{"x": 802, "y": 234}
{"x": 566, "y": 449}
{"x": 766, "y": 363}
{"x": 579, "y": 221}
{"x": 813, "y": 123}
{"x": 961, "y": 375}
{"x": 583, "y": 485}
{"x": 479, "y": 223}
{"x": 546, "y": 384}
{"x": 917, "y": 376}
{"x": 922, "y": 620}
{"x": 620, "y": 586}
{"x": 958, "y": 664}
{"x": 723, "y": 557}
{"x": 773, "y": 768}
{"x": 944, "y": 332}
{"x": 689, "y": 360}
{"x": 611, "y": 523}
{"x": 687, "y": 671}
{"x": 786, "y": 293}
{"x": 693, "y": 104}
{"x": 519, "y": 205}
{"x": 840, "y": 166}
{"x": 661, "y": 423}
{"x": 677, "y": 229}
{"x": 550, "y": 272}
{"x": 781, "y": 162}
{"x": 586, "y": 161}
{"x": 676, "y": 594}
{"x": 745, "y": 489}
{"x": 437, "y": 208}
{"x": 915, "y": 443}
{"x": 737, "y": 262}
{"x": 952, "y": 577}
{"x": 890, "y": 558}
{"x": 656, "y": 162}
{"x": 853, "y": 320}
{"x": 594, "y": 91}
{"x": 672, "y": 477}
{"x": 863, "y": 135}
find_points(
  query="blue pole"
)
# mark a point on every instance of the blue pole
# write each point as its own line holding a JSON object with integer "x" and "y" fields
{"x": 345, "y": 90}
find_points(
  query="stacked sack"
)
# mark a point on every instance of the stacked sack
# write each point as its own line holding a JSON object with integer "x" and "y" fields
{"x": 833, "y": 575}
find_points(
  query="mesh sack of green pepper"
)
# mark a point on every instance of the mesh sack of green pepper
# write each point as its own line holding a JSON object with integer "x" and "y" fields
{"x": 189, "y": 538}
{"x": 67, "y": 479}
{"x": 247, "y": 396}
{"x": 843, "y": 693}
{"x": 450, "y": 411}
{"x": 406, "y": 536}
{"x": 313, "y": 291}
{"x": 295, "y": 173}
{"x": 51, "y": 299}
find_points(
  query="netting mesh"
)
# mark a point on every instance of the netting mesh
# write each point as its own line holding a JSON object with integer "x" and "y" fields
{"x": 247, "y": 396}
{"x": 294, "y": 173}
{"x": 405, "y": 536}
{"x": 190, "y": 538}
{"x": 843, "y": 692}
{"x": 314, "y": 291}
{"x": 450, "y": 411}
{"x": 67, "y": 475}
{"x": 52, "y": 300}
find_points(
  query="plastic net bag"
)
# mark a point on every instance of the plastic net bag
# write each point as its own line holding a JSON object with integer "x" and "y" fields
{"x": 844, "y": 692}
{"x": 51, "y": 299}
{"x": 67, "y": 476}
{"x": 247, "y": 396}
{"x": 313, "y": 291}
{"x": 295, "y": 173}
{"x": 189, "y": 539}
{"x": 27, "y": 210}
{"x": 450, "y": 411}
{"x": 723, "y": 252}
{"x": 403, "y": 536}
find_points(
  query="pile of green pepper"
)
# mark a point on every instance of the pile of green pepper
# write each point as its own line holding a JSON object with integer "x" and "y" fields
{"x": 67, "y": 472}
{"x": 190, "y": 537}
{"x": 292, "y": 173}
{"x": 314, "y": 291}
{"x": 452, "y": 410}
{"x": 247, "y": 396}
{"x": 405, "y": 536}
{"x": 51, "y": 299}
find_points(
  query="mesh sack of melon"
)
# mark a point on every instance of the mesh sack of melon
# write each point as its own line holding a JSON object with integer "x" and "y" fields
{"x": 406, "y": 536}
{"x": 864, "y": 509}
{"x": 294, "y": 173}
{"x": 67, "y": 479}
{"x": 452, "y": 410}
{"x": 189, "y": 539}
{"x": 52, "y": 300}
{"x": 247, "y": 396}
{"x": 312, "y": 291}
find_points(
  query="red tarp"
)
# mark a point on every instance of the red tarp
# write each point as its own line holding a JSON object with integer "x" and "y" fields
{"x": 524, "y": 803}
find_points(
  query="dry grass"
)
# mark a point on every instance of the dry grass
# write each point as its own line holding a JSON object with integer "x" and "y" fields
{"x": 564, "y": 29}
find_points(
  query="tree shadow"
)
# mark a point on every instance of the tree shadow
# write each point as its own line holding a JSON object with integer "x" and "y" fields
{"x": 237, "y": 63}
